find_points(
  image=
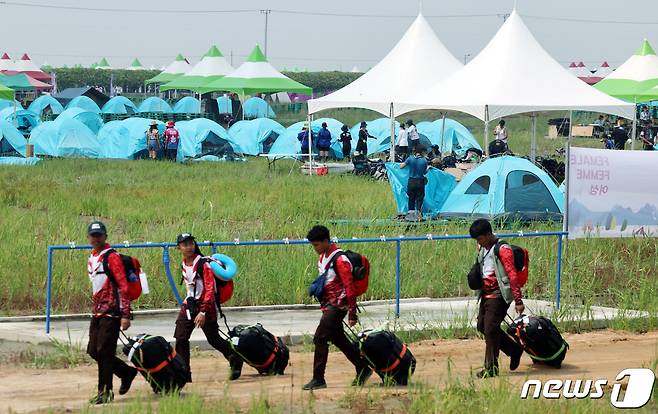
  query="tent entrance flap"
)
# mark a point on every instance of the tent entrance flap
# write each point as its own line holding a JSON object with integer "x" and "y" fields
{"x": 215, "y": 145}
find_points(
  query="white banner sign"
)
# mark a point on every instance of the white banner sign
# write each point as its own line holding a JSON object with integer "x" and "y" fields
{"x": 612, "y": 193}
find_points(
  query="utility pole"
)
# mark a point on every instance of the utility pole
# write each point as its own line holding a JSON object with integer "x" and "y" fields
{"x": 266, "y": 12}
{"x": 466, "y": 56}
{"x": 504, "y": 16}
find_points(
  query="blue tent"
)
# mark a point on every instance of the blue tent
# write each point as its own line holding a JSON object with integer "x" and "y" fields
{"x": 438, "y": 188}
{"x": 91, "y": 119}
{"x": 256, "y": 107}
{"x": 19, "y": 161}
{"x": 287, "y": 143}
{"x": 12, "y": 142}
{"x": 506, "y": 186}
{"x": 154, "y": 104}
{"x": 4, "y": 103}
{"x": 83, "y": 102}
{"x": 381, "y": 130}
{"x": 224, "y": 104}
{"x": 24, "y": 119}
{"x": 119, "y": 105}
{"x": 187, "y": 105}
{"x": 456, "y": 137}
{"x": 66, "y": 138}
{"x": 256, "y": 136}
{"x": 202, "y": 136}
{"x": 43, "y": 102}
{"x": 125, "y": 139}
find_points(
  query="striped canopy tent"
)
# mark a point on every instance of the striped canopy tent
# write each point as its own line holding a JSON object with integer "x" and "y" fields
{"x": 213, "y": 66}
{"x": 256, "y": 75}
{"x": 26, "y": 66}
{"x": 6, "y": 93}
{"x": 103, "y": 64}
{"x": 22, "y": 82}
{"x": 6, "y": 63}
{"x": 136, "y": 65}
{"x": 635, "y": 77}
{"x": 604, "y": 70}
{"x": 586, "y": 74}
{"x": 175, "y": 69}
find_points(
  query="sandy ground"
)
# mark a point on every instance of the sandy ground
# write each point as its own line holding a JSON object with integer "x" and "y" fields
{"x": 600, "y": 354}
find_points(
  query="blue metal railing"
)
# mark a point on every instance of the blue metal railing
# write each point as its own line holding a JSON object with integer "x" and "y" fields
{"x": 285, "y": 242}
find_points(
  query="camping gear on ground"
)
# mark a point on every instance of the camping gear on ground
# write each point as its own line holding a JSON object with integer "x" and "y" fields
{"x": 498, "y": 147}
{"x": 540, "y": 339}
{"x": 387, "y": 355}
{"x": 157, "y": 361}
{"x": 259, "y": 348}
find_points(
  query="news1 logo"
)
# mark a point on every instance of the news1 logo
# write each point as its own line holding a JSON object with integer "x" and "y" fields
{"x": 638, "y": 389}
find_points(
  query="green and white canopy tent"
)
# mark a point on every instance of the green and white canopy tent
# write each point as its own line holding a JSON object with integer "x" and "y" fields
{"x": 174, "y": 70}
{"x": 633, "y": 79}
{"x": 212, "y": 67}
{"x": 136, "y": 65}
{"x": 7, "y": 93}
{"x": 256, "y": 75}
{"x": 103, "y": 64}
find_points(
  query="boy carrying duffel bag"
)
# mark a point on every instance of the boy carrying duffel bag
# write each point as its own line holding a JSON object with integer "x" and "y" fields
{"x": 540, "y": 339}
{"x": 387, "y": 355}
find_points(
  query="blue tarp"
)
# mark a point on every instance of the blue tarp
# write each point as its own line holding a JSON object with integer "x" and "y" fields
{"x": 12, "y": 142}
{"x": 505, "y": 186}
{"x": 25, "y": 119}
{"x": 288, "y": 143}
{"x": 381, "y": 130}
{"x": 4, "y": 103}
{"x": 119, "y": 105}
{"x": 438, "y": 187}
{"x": 154, "y": 104}
{"x": 256, "y": 136}
{"x": 187, "y": 105}
{"x": 85, "y": 103}
{"x": 202, "y": 136}
{"x": 91, "y": 119}
{"x": 125, "y": 139}
{"x": 256, "y": 107}
{"x": 224, "y": 105}
{"x": 66, "y": 138}
{"x": 19, "y": 161}
{"x": 456, "y": 137}
{"x": 45, "y": 101}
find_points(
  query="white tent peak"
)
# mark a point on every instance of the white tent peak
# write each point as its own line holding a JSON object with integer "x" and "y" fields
{"x": 514, "y": 74}
{"x": 211, "y": 65}
{"x": 418, "y": 60}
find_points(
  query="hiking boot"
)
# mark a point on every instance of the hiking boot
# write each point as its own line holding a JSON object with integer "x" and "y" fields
{"x": 362, "y": 377}
{"x": 488, "y": 373}
{"x": 127, "y": 382}
{"x": 515, "y": 359}
{"x": 102, "y": 398}
{"x": 236, "y": 368}
{"x": 315, "y": 384}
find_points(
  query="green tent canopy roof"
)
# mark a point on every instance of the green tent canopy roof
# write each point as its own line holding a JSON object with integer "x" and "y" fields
{"x": 7, "y": 93}
{"x": 179, "y": 57}
{"x": 174, "y": 70}
{"x": 136, "y": 63}
{"x": 645, "y": 49}
{"x": 254, "y": 76}
{"x": 212, "y": 67}
{"x": 634, "y": 80}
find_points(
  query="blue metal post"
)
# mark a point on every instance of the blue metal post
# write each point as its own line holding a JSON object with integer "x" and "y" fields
{"x": 172, "y": 284}
{"x": 398, "y": 245}
{"x": 49, "y": 289}
{"x": 559, "y": 272}
{"x": 213, "y": 246}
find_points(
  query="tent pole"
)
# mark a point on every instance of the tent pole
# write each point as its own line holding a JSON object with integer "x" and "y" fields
{"x": 310, "y": 146}
{"x": 533, "y": 140}
{"x": 486, "y": 130}
{"x": 443, "y": 130}
{"x": 634, "y": 129}
{"x": 570, "y": 126}
{"x": 565, "y": 218}
{"x": 392, "y": 117}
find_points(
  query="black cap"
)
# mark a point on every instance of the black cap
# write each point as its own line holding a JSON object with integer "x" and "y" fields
{"x": 97, "y": 227}
{"x": 184, "y": 236}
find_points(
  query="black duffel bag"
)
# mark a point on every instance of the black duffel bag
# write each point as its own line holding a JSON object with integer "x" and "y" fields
{"x": 157, "y": 361}
{"x": 540, "y": 339}
{"x": 387, "y": 355}
{"x": 260, "y": 349}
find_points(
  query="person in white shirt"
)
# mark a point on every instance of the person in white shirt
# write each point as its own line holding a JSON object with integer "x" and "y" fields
{"x": 501, "y": 131}
{"x": 402, "y": 147}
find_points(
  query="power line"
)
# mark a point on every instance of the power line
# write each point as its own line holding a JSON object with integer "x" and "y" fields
{"x": 596, "y": 21}
{"x": 120, "y": 10}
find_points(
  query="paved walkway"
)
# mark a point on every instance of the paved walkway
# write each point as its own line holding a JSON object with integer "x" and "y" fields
{"x": 294, "y": 322}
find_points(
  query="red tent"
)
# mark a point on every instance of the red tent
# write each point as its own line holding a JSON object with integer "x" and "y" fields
{"x": 26, "y": 66}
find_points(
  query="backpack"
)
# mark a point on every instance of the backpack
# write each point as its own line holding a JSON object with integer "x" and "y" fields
{"x": 224, "y": 290}
{"x": 133, "y": 273}
{"x": 521, "y": 260}
{"x": 360, "y": 274}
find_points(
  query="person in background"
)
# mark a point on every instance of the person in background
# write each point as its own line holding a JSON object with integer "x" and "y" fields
{"x": 199, "y": 310}
{"x": 111, "y": 313}
{"x": 598, "y": 127}
{"x": 500, "y": 132}
{"x": 645, "y": 117}
{"x": 324, "y": 142}
{"x": 338, "y": 300}
{"x": 362, "y": 143}
{"x": 402, "y": 147}
{"x": 346, "y": 140}
{"x": 607, "y": 125}
{"x": 418, "y": 167}
{"x": 500, "y": 288}
{"x": 412, "y": 134}
{"x": 153, "y": 140}
{"x": 303, "y": 138}
{"x": 648, "y": 140}
{"x": 171, "y": 141}
{"x": 620, "y": 134}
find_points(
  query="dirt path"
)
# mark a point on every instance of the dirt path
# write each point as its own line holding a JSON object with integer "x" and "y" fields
{"x": 592, "y": 355}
